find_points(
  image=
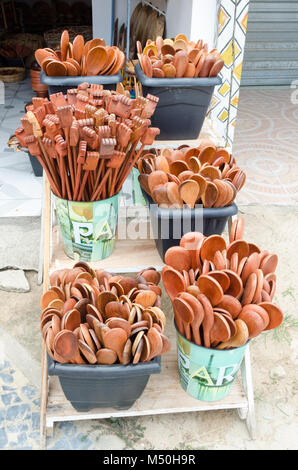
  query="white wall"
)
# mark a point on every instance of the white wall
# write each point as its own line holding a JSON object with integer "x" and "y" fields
{"x": 102, "y": 19}
{"x": 195, "y": 18}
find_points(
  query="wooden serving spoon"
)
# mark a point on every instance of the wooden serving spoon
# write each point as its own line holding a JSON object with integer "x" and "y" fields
{"x": 66, "y": 346}
{"x": 106, "y": 356}
{"x": 254, "y": 322}
{"x": 189, "y": 191}
{"x": 178, "y": 258}
{"x": 155, "y": 342}
{"x": 198, "y": 312}
{"x": 220, "y": 330}
{"x": 208, "y": 319}
{"x": 275, "y": 314}
{"x": 96, "y": 60}
{"x": 239, "y": 339}
{"x": 115, "y": 339}
{"x": 211, "y": 288}
{"x": 183, "y": 314}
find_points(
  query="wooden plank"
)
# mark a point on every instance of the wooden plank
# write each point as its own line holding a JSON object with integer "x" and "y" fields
{"x": 163, "y": 394}
{"x": 46, "y": 261}
{"x": 128, "y": 256}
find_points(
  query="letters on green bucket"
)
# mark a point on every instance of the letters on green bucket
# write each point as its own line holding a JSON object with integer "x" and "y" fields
{"x": 88, "y": 228}
{"x": 207, "y": 374}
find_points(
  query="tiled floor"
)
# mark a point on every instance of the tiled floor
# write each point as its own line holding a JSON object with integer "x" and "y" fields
{"x": 20, "y": 190}
{"x": 264, "y": 146}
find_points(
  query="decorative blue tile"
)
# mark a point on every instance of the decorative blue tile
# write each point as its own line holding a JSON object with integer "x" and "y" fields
{"x": 2, "y": 417}
{"x": 4, "y": 365}
{"x": 29, "y": 391}
{"x": 61, "y": 444}
{"x": 7, "y": 378}
{"x": 3, "y": 438}
{"x": 16, "y": 428}
{"x": 35, "y": 421}
{"x": 68, "y": 428}
{"x": 10, "y": 398}
{"x": 80, "y": 442}
{"x": 18, "y": 412}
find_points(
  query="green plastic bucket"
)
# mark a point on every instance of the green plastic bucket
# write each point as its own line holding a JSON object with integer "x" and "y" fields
{"x": 207, "y": 374}
{"x": 88, "y": 229}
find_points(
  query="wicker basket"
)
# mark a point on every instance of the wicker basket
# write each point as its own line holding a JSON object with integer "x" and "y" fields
{"x": 12, "y": 74}
{"x": 53, "y": 36}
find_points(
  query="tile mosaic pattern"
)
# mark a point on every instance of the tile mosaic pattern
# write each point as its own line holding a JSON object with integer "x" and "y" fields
{"x": 20, "y": 416}
{"x": 20, "y": 190}
{"x": 265, "y": 146}
{"x": 232, "y": 24}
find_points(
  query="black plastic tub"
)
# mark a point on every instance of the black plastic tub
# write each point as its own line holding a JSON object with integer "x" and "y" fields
{"x": 62, "y": 84}
{"x": 182, "y": 106}
{"x": 169, "y": 225}
{"x": 98, "y": 386}
{"x": 36, "y": 166}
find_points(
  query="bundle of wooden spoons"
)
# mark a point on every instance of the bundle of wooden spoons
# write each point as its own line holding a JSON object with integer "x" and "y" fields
{"x": 86, "y": 140}
{"x": 222, "y": 294}
{"x": 94, "y": 317}
{"x": 204, "y": 175}
{"x": 179, "y": 57}
{"x": 78, "y": 58}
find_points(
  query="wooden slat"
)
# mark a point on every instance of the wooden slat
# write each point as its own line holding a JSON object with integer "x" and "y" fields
{"x": 128, "y": 256}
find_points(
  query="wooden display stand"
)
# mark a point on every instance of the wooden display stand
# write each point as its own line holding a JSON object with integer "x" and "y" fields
{"x": 163, "y": 393}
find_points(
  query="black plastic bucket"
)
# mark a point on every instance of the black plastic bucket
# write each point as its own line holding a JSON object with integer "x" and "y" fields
{"x": 62, "y": 84}
{"x": 36, "y": 166}
{"x": 182, "y": 106}
{"x": 98, "y": 386}
{"x": 166, "y": 223}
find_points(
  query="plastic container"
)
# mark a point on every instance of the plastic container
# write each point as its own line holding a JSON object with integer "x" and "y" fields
{"x": 98, "y": 386}
{"x": 182, "y": 106}
{"x": 207, "y": 374}
{"x": 88, "y": 229}
{"x": 169, "y": 225}
{"x": 62, "y": 84}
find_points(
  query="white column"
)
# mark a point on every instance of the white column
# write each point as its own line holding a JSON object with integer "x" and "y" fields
{"x": 102, "y": 19}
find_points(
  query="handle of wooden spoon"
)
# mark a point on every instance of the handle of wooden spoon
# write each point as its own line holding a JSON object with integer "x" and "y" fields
{"x": 83, "y": 185}
{"x": 187, "y": 331}
{"x": 96, "y": 195}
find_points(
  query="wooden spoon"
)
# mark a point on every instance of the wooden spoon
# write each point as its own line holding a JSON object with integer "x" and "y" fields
{"x": 173, "y": 281}
{"x": 178, "y": 258}
{"x": 106, "y": 356}
{"x": 208, "y": 319}
{"x": 66, "y": 346}
{"x": 239, "y": 339}
{"x": 56, "y": 69}
{"x": 189, "y": 191}
{"x": 275, "y": 314}
{"x": 198, "y": 312}
{"x": 220, "y": 330}
{"x": 254, "y": 322}
{"x": 210, "y": 288}
{"x": 231, "y": 304}
{"x": 115, "y": 339}
{"x": 96, "y": 60}
{"x": 155, "y": 341}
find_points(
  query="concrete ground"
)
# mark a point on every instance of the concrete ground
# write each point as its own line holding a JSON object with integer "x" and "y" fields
{"x": 270, "y": 223}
